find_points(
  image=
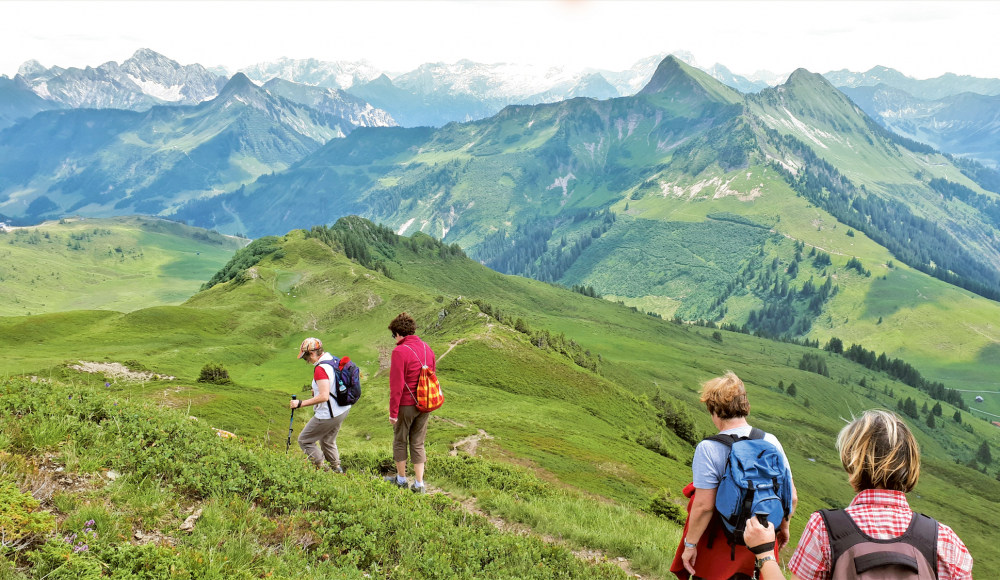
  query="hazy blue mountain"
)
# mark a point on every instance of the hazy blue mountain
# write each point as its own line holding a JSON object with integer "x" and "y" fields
{"x": 352, "y": 109}
{"x": 144, "y": 80}
{"x": 108, "y": 161}
{"x": 930, "y": 89}
{"x": 17, "y": 102}
{"x": 411, "y": 108}
{"x": 966, "y": 124}
{"x": 740, "y": 83}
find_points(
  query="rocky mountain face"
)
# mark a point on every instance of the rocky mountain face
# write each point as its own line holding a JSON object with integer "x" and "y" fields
{"x": 965, "y": 124}
{"x": 141, "y": 82}
{"x": 945, "y": 85}
{"x": 355, "y": 111}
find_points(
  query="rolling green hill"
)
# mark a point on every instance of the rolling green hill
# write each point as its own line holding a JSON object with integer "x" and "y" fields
{"x": 597, "y": 398}
{"x": 118, "y": 264}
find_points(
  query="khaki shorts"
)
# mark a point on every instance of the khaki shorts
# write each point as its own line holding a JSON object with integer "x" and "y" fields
{"x": 410, "y": 430}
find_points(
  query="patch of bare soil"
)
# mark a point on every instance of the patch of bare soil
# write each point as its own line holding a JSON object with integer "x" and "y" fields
{"x": 469, "y": 444}
{"x": 117, "y": 371}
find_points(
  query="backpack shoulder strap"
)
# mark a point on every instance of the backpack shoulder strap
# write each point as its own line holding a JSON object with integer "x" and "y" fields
{"x": 922, "y": 535}
{"x": 842, "y": 531}
{"x": 726, "y": 440}
{"x": 756, "y": 433}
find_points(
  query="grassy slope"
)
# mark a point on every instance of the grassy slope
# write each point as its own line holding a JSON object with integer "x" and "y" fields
{"x": 160, "y": 263}
{"x": 544, "y": 411}
{"x": 958, "y": 331}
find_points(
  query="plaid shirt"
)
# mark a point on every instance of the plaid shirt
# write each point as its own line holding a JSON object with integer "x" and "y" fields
{"x": 882, "y": 514}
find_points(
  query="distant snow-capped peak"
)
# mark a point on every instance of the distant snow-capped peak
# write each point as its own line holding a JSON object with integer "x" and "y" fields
{"x": 146, "y": 79}
{"x": 309, "y": 71}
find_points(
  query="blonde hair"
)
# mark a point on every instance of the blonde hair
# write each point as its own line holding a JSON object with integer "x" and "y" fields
{"x": 879, "y": 451}
{"x": 726, "y": 397}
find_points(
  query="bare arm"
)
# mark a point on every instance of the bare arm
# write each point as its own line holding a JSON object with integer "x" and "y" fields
{"x": 784, "y": 535}
{"x": 702, "y": 509}
{"x": 322, "y": 397}
{"x": 756, "y": 535}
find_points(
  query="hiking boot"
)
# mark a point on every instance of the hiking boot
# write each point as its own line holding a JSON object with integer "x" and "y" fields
{"x": 395, "y": 481}
{"x": 337, "y": 469}
{"x": 418, "y": 487}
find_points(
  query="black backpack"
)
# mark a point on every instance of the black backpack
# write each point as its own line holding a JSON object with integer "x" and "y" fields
{"x": 345, "y": 388}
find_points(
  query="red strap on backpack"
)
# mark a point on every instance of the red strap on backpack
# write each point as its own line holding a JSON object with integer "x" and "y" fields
{"x": 428, "y": 396}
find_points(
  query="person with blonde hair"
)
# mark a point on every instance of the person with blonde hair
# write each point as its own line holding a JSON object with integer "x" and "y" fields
{"x": 706, "y": 553}
{"x": 878, "y": 533}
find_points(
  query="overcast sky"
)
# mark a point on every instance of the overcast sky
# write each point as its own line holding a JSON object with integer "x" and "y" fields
{"x": 920, "y": 39}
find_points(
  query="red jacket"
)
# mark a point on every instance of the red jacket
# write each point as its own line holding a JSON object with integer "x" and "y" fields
{"x": 407, "y": 359}
{"x": 714, "y": 564}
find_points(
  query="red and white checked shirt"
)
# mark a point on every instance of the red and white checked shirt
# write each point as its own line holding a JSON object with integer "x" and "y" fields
{"x": 883, "y": 515}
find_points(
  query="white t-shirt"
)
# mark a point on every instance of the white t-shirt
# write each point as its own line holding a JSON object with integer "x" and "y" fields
{"x": 324, "y": 369}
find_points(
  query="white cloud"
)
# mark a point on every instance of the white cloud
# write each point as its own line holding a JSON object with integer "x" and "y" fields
{"x": 920, "y": 39}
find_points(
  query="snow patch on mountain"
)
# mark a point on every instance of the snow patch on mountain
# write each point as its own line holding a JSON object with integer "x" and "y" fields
{"x": 159, "y": 90}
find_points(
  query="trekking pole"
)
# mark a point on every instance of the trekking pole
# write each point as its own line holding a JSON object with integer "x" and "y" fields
{"x": 290, "y": 423}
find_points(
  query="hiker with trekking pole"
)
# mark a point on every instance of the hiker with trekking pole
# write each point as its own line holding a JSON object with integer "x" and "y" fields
{"x": 878, "y": 536}
{"x": 336, "y": 386}
{"x": 739, "y": 475}
{"x": 414, "y": 392}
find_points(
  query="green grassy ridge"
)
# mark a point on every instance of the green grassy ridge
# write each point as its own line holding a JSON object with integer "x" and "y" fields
{"x": 362, "y": 526}
{"x": 548, "y": 418}
{"x": 116, "y": 263}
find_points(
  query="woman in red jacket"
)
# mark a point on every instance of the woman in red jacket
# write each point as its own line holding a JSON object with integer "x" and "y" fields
{"x": 409, "y": 424}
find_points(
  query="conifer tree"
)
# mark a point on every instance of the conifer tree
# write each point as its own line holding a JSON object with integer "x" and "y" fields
{"x": 983, "y": 455}
{"x": 958, "y": 417}
{"x": 937, "y": 410}
{"x": 930, "y": 420}
{"x": 792, "y": 391}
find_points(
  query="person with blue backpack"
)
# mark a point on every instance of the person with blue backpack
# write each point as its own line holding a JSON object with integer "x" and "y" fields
{"x": 739, "y": 474}
{"x": 336, "y": 386}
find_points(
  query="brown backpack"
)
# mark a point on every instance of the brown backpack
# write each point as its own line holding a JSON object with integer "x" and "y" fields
{"x": 858, "y": 556}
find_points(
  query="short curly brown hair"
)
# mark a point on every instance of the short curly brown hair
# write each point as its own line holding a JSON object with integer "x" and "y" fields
{"x": 403, "y": 325}
{"x": 726, "y": 397}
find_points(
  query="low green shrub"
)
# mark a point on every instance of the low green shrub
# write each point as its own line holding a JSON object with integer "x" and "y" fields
{"x": 361, "y": 522}
{"x": 21, "y": 522}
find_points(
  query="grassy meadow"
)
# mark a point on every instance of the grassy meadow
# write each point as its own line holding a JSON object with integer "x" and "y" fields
{"x": 594, "y": 433}
{"x": 121, "y": 264}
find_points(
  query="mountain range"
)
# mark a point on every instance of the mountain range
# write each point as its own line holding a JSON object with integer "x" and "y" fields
{"x": 146, "y": 79}
{"x": 111, "y": 161}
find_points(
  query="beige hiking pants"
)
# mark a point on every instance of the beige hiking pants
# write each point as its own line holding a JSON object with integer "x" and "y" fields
{"x": 324, "y": 432}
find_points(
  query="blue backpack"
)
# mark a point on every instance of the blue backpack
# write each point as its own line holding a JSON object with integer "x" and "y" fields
{"x": 756, "y": 480}
{"x": 345, "y": 387}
